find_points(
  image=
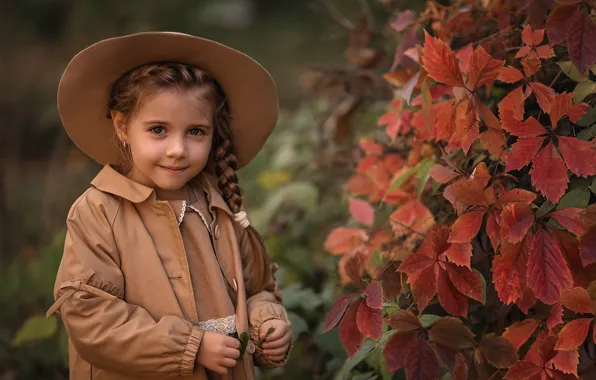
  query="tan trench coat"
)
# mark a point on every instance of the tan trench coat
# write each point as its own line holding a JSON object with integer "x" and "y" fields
{"x": 124, "y": 292}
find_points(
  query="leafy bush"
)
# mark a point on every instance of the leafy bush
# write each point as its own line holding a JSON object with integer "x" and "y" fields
{"x": 472, "y": 243}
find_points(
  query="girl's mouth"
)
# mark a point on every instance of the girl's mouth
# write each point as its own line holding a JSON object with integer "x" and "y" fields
{"x": 173, "y": 169}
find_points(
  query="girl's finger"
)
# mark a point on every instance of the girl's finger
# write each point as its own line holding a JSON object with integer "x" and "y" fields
{"x": 231, "y": 353}
{"x": 278, "y": 333}
{"x": 276, "y": 351}
{"x": 221, "y": 370}
{"x": 278, "y": 342}
{"x": 227, "y": 362}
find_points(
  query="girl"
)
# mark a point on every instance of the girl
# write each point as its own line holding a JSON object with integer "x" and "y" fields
{"x": 161, "y": 272}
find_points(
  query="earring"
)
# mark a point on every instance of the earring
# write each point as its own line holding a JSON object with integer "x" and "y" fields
{"x": 124, "y": 143}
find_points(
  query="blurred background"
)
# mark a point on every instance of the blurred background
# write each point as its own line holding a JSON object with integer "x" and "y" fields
{"x": 320, "y": 55}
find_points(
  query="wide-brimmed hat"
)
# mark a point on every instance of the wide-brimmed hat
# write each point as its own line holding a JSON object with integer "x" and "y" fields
{"x": 85, "y": 87}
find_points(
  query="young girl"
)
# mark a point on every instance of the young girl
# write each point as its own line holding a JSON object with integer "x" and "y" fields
{"x": 162, "y": 272}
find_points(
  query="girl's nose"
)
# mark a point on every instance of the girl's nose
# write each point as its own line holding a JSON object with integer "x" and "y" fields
{"x": 176, "y": 148}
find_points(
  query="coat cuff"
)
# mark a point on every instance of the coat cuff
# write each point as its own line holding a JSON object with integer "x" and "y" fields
{"x": 190, "y": 352}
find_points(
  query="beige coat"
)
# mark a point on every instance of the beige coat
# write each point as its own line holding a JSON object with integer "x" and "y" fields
{"x": 124, "y": 290}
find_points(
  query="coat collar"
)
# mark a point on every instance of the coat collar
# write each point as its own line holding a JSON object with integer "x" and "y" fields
{"x": 111, "y": 181}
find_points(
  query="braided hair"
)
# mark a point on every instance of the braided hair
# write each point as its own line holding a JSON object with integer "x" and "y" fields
{"x": 130, "y": 89}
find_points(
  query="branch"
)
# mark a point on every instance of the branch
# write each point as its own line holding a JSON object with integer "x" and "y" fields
{"x": 337, "y": 16}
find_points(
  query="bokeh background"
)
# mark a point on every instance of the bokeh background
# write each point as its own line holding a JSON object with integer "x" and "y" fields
{"x": 293, "y": 189}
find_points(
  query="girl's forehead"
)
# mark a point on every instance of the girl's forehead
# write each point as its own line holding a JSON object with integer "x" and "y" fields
{"x": 177, "y": 104}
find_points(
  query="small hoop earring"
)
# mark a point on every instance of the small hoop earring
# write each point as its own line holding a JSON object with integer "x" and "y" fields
{"x": 124, "y": 143}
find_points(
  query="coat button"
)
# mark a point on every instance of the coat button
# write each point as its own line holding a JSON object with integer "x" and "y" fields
{"x": 216, "y": 232}
{"x": 250, "y": 347}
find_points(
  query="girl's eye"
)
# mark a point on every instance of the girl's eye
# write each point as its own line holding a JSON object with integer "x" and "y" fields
{"x": 196, "y": 132}
{"x": 158, "y": 129}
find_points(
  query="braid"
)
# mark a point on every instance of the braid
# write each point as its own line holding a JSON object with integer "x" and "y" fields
{"x": 127, "y": 94}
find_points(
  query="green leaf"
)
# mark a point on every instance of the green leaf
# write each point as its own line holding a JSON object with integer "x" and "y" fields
{"x": 582, "y": 90}
{"x": 588, "y": 119}
{"x": 588, "y": 133}
{"x": 593, "y": 186}
{"x": 36, "y": 327}
{"x": 345, "y": 371}
{"x": 428, "y": 320}
{"x": 299, "y": 325}
{"x": 579, "y": 198}
{"x": 483, "y": 285}
{"x": 544, "y": 209}
{"x": 569, "y": 69}
{"x": 400, "y": 180}
{"x": 260, "y": 341}
{"x": 244, "y": 338}
{"x": 294, "y": 296}
{"x": 423, "y": 174}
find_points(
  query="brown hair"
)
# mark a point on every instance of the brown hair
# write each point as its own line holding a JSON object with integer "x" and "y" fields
{"x": 128, "y": 92}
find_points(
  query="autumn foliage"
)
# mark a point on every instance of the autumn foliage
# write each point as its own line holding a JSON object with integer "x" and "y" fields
{"x": 484, "y": 267}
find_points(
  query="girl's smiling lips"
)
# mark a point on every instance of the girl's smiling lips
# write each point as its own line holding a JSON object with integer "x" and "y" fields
{"x": 173, "y": 169}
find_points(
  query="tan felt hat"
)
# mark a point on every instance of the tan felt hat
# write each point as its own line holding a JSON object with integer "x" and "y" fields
{"x": 87, "y": 81}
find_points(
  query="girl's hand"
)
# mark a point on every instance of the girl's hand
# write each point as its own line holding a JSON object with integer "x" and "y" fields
{"x": 218, "y": 352}
{"x": 278, "y": 342}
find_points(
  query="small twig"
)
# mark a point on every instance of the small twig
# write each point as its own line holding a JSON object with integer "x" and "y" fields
{"x": 337, "y": 15}
{"x": 370, "y": 18}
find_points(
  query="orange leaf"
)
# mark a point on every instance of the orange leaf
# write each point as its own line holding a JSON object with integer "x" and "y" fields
{"x": 484, "y": 69}
{"x": 413, "y": 215}
{"x": 516, "y": 221}
{"x": 440, "y": 62}
{"x": 343, "y": 240}
{"x": 510, "y": 74}
{"x": 577, "y": 300}
{"x": 573, "y": 334}
{"x": 509, "y": 270}
{"x": 555, "y": 316}
{"x": 460, "y": 254}
{"x": 360, "y": 185}
{"x": 513, "y": 104}
{"x": 518, "y": 333}
{"x": 442, "y": 174}
{"x": 466, "y": 226}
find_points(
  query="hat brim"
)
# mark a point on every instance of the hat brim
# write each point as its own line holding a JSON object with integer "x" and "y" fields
{"x": 85, "y": 86}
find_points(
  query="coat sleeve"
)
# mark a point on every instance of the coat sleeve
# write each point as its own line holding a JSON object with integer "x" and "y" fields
{"x": 106, "y": 331}
{"x": 263, "y": 293}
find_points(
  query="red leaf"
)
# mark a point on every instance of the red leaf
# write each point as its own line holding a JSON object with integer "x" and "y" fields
{"x": 460, "y": 254}
{"x": 404, "y": 321}
{"x": 440, "y": 62}
{"x": 518, "y": 333}
{"x": 548, "y": 272}
{"x": 451, "y": 332}
{"x": 577, "y": 300}
{"x": 370, "y": 321}
{"x": 466, "y": 226}
{"x": 442, "y": 175}
{"x": 470, "y": 192}
{"x": 562, "y": 104}
{"x": 558, "y": 22}
{"x": 415, "y": 263}
{"x": 573, "y": 334}
{"x": 529, "y": 128}
{"x": 374, "y": 295}
{"x": 362, "y": 211}
{"x": 466, "y": 125}
{"x": 349, "y": 334}
{"x": 566, "y": 362}
{"x": 466, "y": 281}
{"x": 344, "y": 240}
{"x": 523, "y": 52}
{"x": 391, "y": 282}
{"x": 516, "y": 221}
{"x": 510, "y": 74}
{"x": 523, "y": 370}
{"x": 544, "y": 95}
{"x": 424, "y": 286}
{"x": 513, "y": 104}
{"x": 338, "y": 308}
{"x": 492, "y": 230}
{"x": 555, "y": 317}
{"x": 494, "y": 141}
{"x": 523, "y": 152}
{"x": 403, "y": 21}
{"x": 577, "y": 112}
{"x": 370, "y": 147}
{"x": 509, "y": 270}
{"x": 397, "y": 348}
{"x": 422, "y": 362}
{"x": 449, "y": 297}
{"x": 545, "y": 52}
{"x": 516, "y": 195}
{"x": 579, "y": 156}
{"x": 527, "y": 301}
{"x": 549, "y": 174}
{"x": 413, "y": 215}
{"x": 484, "y": 69}
{"x": 587, "y": 246}
{"x": 444, "y": 119}
{"x": 498, "y": 351}
{"x": 581, "y": 40}
{"x": 570, "y": 219}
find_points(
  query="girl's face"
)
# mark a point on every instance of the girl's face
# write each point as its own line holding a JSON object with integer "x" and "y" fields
{"x": 170, "y": 137}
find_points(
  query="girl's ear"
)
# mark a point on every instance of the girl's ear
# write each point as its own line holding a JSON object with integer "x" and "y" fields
{"x": 118, "y": 120}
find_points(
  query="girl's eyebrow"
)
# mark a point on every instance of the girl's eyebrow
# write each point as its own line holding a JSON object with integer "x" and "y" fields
{"x": 166, "y": 123}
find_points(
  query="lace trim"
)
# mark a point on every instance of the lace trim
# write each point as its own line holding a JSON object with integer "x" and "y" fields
{"x": 225, "y": 325}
